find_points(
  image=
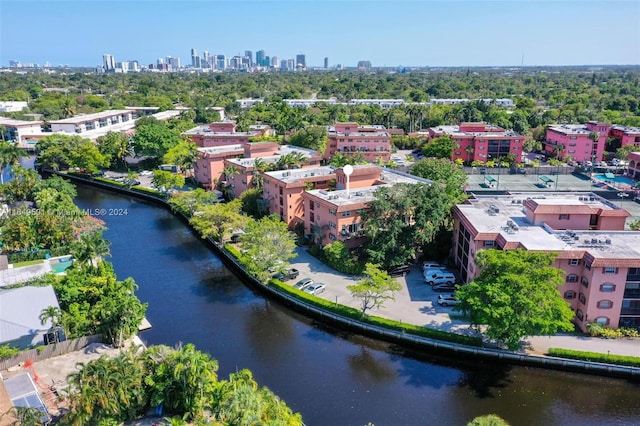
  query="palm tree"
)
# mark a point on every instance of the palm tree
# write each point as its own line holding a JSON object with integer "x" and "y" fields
{"x": 90, "y": 249}
{"x": 55, "y": 315}
{"x": 469, "y": 150}
{"x": 10, "y": 155}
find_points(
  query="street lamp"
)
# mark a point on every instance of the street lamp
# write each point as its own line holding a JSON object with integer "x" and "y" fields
{"x": 622, "y": 196}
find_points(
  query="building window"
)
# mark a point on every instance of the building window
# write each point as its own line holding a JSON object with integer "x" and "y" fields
{"x": 332, "y": 212}
{"x": 564, "y": 217}
{"x": 570, "y": 294}
{"x": 579, "y": 314}
{"x": 607, "y": 288}
{"x": 587, "y": 266}
{"x": 332, "y": 237}
{"x": 332, "y": 225}
{"x": 605, "y": 304}
{"x": 574, "y": 262}
{"x": 585, "y": 281}
{"x": 582, "y": 298}
{"x": 602, "y": 320}
{"x": 609, "y": 270}
{"x": 345, "y": 214}
{"x": 489, "y": 243}
{"x": 572, "y": 278}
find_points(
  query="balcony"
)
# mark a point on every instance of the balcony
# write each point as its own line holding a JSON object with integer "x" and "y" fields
{"x": 632, "y": 294}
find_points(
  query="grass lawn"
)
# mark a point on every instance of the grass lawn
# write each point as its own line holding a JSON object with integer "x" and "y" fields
{"x": 28, "y": 263}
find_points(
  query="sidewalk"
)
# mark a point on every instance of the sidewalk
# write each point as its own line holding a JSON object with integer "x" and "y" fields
{"x": 417, "y": 304}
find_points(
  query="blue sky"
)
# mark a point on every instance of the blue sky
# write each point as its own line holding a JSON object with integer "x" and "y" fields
{"x": 418, "y": 32}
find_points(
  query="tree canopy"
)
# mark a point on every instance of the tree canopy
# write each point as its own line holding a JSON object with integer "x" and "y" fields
{"x": 516, "y": 295}
{"x": 440, "y": 147}
{"x": 376, "y": 288}
{"x": 401, "y": 219}
{"x": 445, "y": 172}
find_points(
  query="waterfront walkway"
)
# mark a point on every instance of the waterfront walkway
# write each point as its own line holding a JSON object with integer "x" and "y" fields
{"x": 417, "y": 304}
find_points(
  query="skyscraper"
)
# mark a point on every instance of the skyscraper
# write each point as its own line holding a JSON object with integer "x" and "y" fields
{"x": 195, "y": 59}
{"x": 260, "y": 58}
{"x": 274, "y": 62}
{"x": 301, "y": 61}
{"x": 249, "y": 54}
{"x": 108, "y": 62}
{"x": 221, "y": 62}
{"x": 326, "y": 63}
{"x": 206, "y": 60}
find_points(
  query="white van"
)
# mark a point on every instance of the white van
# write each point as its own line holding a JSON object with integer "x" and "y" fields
{"x": 442, "y": 277}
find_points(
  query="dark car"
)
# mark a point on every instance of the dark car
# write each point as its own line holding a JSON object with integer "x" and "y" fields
{"x": 286, "y": 275}
{"x": 399, "y": 271}
{"x": 444, "y": 287}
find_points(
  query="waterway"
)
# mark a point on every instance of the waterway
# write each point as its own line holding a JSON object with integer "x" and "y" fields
{"x": 331, "y": 377}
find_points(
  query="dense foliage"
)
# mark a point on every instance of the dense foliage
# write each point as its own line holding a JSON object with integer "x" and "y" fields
{"x": 516, "y": 295}
{"x": 632, "y": 361}
{"x": 375, "y": 289}
{"x": 543, "y": 96}
{"x": 182, "y": 381}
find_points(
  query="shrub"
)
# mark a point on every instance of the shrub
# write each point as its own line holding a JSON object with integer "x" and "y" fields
{"x": 598, "y": 330}
{"x": 340, "y": 258}
{"x": 7, "y": 351}
{"x": 632, "y": 361}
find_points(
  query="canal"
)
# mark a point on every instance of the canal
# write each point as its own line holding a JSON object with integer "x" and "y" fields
{"x": 331, "y": 377}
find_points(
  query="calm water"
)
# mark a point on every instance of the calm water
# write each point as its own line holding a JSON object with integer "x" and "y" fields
{"x": 331, "y": 377}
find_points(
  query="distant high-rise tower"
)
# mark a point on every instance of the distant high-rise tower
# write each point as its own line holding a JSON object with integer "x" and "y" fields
{"x": 249, "y": 54}
{"x": 260, "y": 58}
{"x": 206, "y": 60}
{"x": 364, "y": 65}
{"x": 108, "y": 62}
{"x": 326, "y": 63}
{"x": 301, "y": 61}
{"x": 195, "y": 59}
{"x": 221, "y": 62}
{"x": 274, "y": 62}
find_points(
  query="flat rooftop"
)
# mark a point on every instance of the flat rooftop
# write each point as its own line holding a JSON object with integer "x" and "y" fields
{"x": 290, "y": 176}
{"x": 504, "y": 215}
{"x": 221, "y": 149}
{"x": 4, "y": 121}
{"x": 92, "y": 117}
{"x": 388, "y": 177}
{"x": 454, "y": 130}
{"x": 573, "y": 129}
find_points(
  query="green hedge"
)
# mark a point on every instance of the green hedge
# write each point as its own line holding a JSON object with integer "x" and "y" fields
{"x": 632, "y": 361}
{"x": 355, "y": 314}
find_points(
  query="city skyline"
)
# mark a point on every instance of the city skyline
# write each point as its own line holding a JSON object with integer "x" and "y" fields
{"x": 414, "y": 33}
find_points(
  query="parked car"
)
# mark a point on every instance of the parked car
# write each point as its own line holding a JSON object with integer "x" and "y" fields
{"x": 303, "y": 283}
{"x": 399, "y": 271}
{"x": 316, "y": 288}
{"x": 430, "y": 264}
{"x": 444, "y": 287}
{"x": 287, "y": 274}
{"x": 448, "y": 300}
{"x": 442, "y": 277}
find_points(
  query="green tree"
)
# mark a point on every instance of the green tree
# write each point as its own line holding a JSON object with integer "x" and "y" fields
{"x": 186, "y": 202}
{"x": 119, "y": 312}
{"x": 60, "y": 151}
{"x": 154, "y": 138}
{"x": 115, "y": 146}
{"x": 10, "y": 155}
{"x": 90, "y": 249}
{"x": 183, "y": 380}
{"x": 218, "y": 221}
{"x": 488, "y": 420}
{"x": 401, "y": 219}
{"x": 375, "y": 289}
{"x": 440, "y": 147}
{"x": 253, "y": 204}
{"x": 516, "y": 295}
{"x": 106, "y": 391}
{"x": 446, "y": 172}
{"x": 312, "y": 137}
{"x": 184, "y": 154}
{"x": 267, "y": 243}
{"x": 164, "y": 180}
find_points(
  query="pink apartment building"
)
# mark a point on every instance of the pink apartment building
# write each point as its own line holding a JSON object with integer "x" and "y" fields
{"x": 268, "y": 152}
{"x": 284, "y": 190}
{"x": 600, "y": 261}
{"x": 224, "y": 133}
{"x": 372, "y": 142}
{"x": 337, "y": 215}
{"x": 624, "y": 136}
{"x": 633, "y": 169}
{"x": 572, "y": 140}
{"x": 480, "y": 141}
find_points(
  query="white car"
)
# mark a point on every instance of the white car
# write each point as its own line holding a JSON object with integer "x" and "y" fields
{"x": 448, "y": 300}
{"x": 316, "y": 288}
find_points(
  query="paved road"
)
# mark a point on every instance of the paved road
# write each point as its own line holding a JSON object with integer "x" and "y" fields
{"x": 416, "y": 304}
